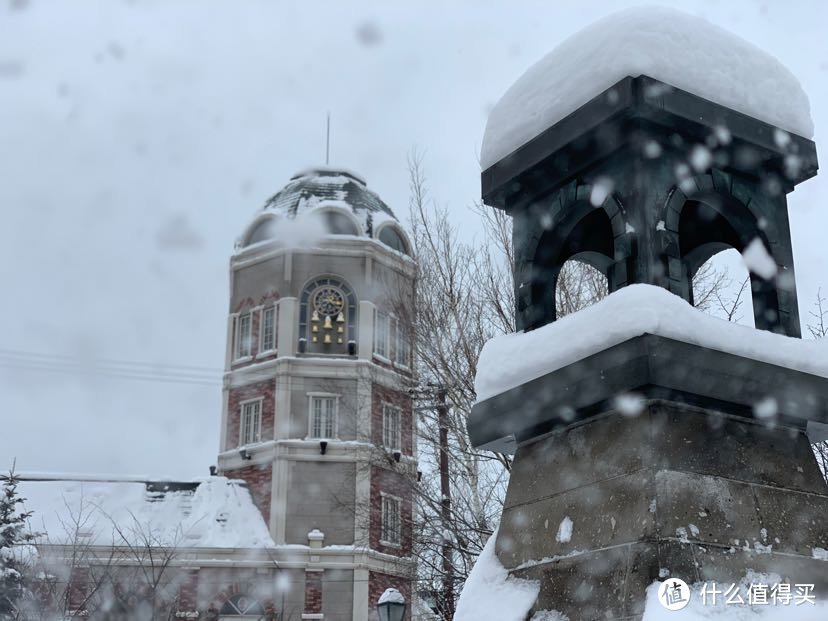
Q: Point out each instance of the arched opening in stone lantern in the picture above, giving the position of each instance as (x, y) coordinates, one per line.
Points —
(579, 285)
(575, 254)
(713, 223)
(721, 287)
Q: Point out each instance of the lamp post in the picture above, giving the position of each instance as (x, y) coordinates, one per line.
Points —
(391, 605)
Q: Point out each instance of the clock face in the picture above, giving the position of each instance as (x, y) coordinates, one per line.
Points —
(328, 302)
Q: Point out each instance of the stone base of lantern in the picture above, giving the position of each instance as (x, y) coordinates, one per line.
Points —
(672, 490)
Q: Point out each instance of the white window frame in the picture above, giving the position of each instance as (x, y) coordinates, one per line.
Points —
(383, 517)
(262, 345)
(243, 427)
(396, 443)
(386, 333)
(312, 397)
(401, 342)
(237, 349)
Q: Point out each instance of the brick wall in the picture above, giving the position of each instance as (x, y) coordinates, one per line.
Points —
(188, 591)
(264, 390)
(258, 479)
(381, 394)
(313, 591)
(388, 481)
(377, 583)
(78, 590)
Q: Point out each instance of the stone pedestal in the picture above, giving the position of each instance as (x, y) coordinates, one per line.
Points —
(675, 490)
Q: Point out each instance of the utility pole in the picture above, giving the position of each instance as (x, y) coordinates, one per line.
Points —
(445, 506)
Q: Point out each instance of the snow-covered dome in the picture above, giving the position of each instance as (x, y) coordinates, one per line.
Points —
(336, 201)
(674, 47)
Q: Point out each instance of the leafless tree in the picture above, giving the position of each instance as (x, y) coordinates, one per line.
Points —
(819, 322)
(819, 329)
(145, 585)
(68, 572)
(131, 578)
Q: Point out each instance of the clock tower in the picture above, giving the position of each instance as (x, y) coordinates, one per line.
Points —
(317, 417)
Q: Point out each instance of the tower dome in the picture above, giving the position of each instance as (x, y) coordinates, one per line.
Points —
(341, 199)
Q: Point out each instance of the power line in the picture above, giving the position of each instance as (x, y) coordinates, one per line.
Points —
(108, 367)
(18, 352)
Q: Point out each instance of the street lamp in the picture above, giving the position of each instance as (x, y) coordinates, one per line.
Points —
(391, 605)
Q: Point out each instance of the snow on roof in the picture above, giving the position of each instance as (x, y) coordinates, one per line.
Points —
(490, 593)
(295, 214)
(685, 51)
(207, 513)
(513, 359)
(310, 188)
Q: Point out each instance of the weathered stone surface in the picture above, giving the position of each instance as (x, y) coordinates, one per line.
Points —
(551, 466)
(702, 508)
(671, 492)
(608, 513)
(708, 442)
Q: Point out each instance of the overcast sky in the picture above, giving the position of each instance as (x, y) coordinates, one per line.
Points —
(138, 138)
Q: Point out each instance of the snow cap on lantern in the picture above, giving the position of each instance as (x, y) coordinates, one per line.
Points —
(682, 50)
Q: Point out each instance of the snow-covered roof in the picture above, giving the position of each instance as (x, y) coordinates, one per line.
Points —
(208, 513)
(325, 201)
(313, 187)
(513, 359)
(674, 47)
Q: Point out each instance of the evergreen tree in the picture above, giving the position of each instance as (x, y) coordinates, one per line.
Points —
(14, 533)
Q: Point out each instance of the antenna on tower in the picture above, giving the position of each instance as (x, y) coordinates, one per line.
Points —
(328, 141)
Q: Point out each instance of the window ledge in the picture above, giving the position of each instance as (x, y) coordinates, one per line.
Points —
(242, 359)
(389, 544)
(382, 358)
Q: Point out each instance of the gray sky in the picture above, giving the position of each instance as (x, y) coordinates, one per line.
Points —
(138, 138)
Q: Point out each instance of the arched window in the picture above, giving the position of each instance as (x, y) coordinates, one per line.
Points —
(327, 317)
(392, 238)
(337, 223)
(266, 229)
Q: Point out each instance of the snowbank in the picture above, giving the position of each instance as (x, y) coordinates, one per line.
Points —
(489, 592)
(685, 51)
(513, 359)
(218, 514)
(697, 610)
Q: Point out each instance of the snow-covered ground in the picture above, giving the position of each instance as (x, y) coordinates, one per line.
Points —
(490, 593)
(510, 360)
(672, 46)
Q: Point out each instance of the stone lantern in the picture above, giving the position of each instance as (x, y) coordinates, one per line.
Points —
(645, 181)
